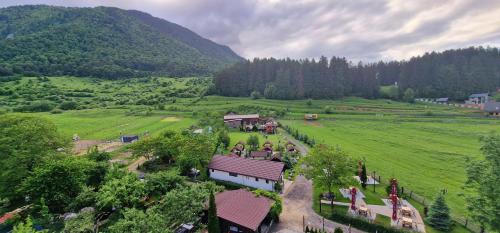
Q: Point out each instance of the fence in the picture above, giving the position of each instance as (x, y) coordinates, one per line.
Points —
(408, 193)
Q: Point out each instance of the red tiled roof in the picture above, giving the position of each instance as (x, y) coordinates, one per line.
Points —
(256, 168)
(242, 207)
(234, 117)
(258, 154)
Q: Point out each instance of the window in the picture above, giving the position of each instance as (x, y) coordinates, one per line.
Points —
(213, 170)
(233, 229)
(267, 181)
(256, 179)
(233, 174)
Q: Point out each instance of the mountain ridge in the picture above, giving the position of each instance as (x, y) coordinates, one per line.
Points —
(103, 42)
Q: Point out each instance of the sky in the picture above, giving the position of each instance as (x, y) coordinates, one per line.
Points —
(360, 30)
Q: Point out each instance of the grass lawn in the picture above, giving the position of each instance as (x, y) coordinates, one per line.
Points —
(106, 124)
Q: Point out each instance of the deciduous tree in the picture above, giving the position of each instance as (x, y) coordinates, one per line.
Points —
(482, 185)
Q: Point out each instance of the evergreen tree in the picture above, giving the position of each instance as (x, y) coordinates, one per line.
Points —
(213, 220)
(363, 177)
(439, 216)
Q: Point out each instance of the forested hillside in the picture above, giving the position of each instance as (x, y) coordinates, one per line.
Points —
(102, 42)
(452, 73)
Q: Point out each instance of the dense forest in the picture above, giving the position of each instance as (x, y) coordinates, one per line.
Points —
(452, 73)
(102, 42)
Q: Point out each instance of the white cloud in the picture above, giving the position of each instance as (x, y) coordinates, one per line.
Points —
(359, 30)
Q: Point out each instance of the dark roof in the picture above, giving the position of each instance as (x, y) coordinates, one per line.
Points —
(479, 95)
(258, 154)
(242, 207)
(492, 107)
(256, 168)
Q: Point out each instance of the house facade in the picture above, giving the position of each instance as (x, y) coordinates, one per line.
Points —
(479, 99)
(260, 174)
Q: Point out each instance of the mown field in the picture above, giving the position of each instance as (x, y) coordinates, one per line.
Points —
(423, 146)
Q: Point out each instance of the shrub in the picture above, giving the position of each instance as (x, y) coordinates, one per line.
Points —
(328, 109)
(255, 95)
(56, 111)
(309, 102)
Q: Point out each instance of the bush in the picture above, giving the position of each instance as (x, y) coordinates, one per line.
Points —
(38, 106)
(255, 95)
(338, 230)
(328, 109)
(56, 111)
(309, 102)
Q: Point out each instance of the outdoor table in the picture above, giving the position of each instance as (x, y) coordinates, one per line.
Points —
(363, 210)
(407, 222)
(406, 211)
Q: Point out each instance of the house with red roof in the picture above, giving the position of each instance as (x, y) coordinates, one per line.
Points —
(261, 174)
(242, 211)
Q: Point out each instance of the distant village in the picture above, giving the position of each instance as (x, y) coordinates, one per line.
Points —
(483, 101)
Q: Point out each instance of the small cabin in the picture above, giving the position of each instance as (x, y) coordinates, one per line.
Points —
(442, 100)
(244, 212)
(310, 117)
(129, 138)
(492, 109)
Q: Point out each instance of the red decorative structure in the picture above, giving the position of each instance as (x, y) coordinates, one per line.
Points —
(353, 198)
(394, 198)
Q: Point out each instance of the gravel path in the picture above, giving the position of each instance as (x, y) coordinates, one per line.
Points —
(297, 205)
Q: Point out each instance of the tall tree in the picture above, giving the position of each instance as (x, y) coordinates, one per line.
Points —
(328, 166)
(439, 215)
(25, 142)
(58, 181)
(363, 177)
(213, 220)
(482, 185)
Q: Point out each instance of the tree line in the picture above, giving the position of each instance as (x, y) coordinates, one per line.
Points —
(452, 73)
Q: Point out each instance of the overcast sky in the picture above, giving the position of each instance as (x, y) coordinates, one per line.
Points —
(366, 30)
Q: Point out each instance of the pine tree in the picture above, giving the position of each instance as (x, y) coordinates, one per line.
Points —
(363, 177)
(213, 220)
(439, 216)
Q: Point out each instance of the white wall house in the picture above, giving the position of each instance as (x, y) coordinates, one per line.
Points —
(249, 181)
(261, 174)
